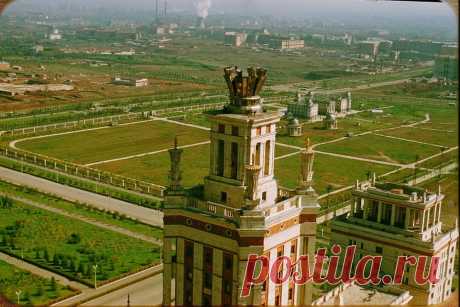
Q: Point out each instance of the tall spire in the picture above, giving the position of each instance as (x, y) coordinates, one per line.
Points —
(175, 174)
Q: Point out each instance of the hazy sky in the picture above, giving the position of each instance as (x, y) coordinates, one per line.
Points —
(283, 7)
(354, 10)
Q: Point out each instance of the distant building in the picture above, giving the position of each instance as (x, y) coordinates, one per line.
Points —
(38, 49)
(326, 107)
(55, 35)
(343, 105)
(390, 220)
(287, 44)
(294, 127)
(130, 82)
(330, 122)
(235, 38)
(304, 109)
(4, 65)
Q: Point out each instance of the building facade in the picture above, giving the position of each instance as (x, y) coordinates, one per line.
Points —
(302, 108)
(392, 220)
(210, 230)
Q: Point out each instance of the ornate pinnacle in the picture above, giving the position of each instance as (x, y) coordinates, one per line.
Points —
(251, 179)
(307, 157)
(244, 89)
(175, 174)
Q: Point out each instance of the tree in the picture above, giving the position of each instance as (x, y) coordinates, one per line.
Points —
(6, 202)
(46, 255)
(53, 284)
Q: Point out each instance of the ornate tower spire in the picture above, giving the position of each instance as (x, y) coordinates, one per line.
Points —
(175, 174)
(307, 157)
(244, 89)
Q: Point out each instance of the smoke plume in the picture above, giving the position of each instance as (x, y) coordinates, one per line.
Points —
(202, 7)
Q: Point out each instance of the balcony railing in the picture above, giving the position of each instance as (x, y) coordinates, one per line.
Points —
(212, 208)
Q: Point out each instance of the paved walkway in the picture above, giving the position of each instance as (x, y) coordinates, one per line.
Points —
(145, 215)
(87, 220)
(41, 272)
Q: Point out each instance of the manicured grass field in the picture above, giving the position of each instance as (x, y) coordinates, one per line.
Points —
(380, 148)
(115, 142)
(354, 124)
(69, 246)
(443, 138)
(155, 168)
(35, 290)
(332, 171)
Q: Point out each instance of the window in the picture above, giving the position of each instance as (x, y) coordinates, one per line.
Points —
(406, 280)
(223, 197)
(269, 128)
(378, 249)
(293, 247)
(234, 161)
(264, 196)
(227, 287)
(208, 280)
(290, 294)
(362, 245)
(221, 128)
(228, 262)
(235, 131)
(220, 158)
(259, 131)
(189, 249)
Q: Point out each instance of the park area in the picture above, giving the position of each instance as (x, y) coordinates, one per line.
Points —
(365, 142)
(34, 290)
(71, 247)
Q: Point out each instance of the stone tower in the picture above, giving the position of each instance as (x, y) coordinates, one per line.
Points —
(210, 230)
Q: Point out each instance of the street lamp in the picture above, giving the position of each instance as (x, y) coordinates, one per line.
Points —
(95, 276)
(18, 294)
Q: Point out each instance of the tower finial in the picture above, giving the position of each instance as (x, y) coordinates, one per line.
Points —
(307, 143)
(175, 173)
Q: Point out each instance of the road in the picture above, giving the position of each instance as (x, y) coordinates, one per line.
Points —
(114, 287)
(142, 214)
(148, 292)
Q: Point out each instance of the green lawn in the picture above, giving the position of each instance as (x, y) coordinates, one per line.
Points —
(35, 290)
(380, 148)
(328, 170)
(443, 138)
(81, 209)
(71, 247)
(109, 143)
(155, 168)
(354, 124)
